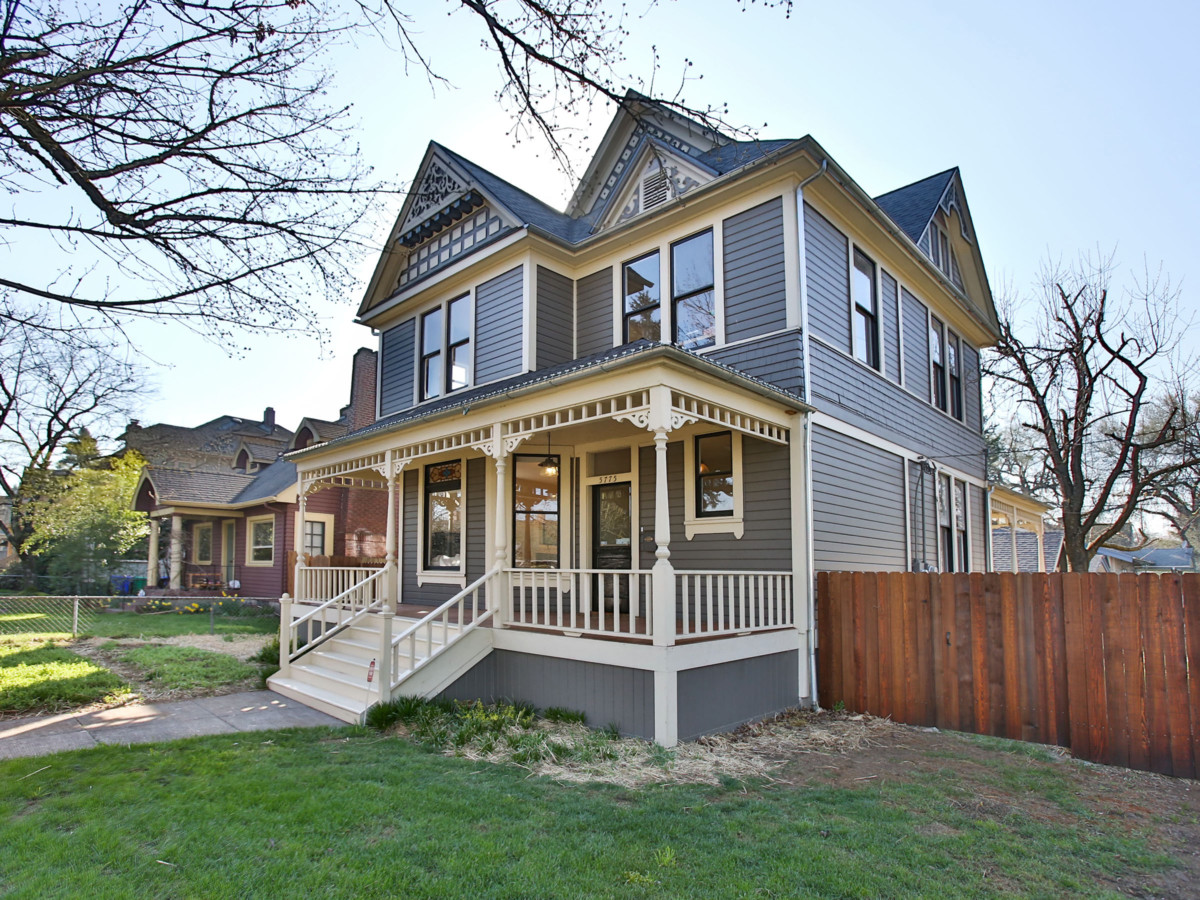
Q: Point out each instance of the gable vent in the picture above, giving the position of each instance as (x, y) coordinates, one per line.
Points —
(656, 190)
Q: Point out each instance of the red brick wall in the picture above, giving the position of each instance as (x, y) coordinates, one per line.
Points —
(363, 522)
(361, 410)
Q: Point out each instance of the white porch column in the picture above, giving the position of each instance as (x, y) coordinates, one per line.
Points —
(152, 556)
(176, 552)
(500, 553)
(663, 573)
(297, 593)
(1041, 544)
(1012, 536)
(390, 596)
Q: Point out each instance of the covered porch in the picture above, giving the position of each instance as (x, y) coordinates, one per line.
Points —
(633, 518)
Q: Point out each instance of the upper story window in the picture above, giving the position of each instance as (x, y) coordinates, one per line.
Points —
(445, 348)
(954, 370)
(643, 307)
(865, 324)
(937, 361)
(693, 298)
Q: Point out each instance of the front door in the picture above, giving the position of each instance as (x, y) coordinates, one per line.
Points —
(227, 552)
(612, 541)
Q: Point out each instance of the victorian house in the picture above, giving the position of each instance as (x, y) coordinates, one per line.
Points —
(616, 442)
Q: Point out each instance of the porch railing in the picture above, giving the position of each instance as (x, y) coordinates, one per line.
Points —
(419, 643)
(326, 582)
(326, 619)
(582, 601)
(713, 603)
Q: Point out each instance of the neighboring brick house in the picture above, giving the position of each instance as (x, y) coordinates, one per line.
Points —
(228, 499)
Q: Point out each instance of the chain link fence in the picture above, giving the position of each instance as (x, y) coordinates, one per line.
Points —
(78, 615)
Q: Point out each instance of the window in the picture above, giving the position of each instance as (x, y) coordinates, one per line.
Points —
(314, 538)
(945, 533)
(445, 348)
(443, 516)
(937, 361)
(260, 541)
(535, 512)
(642, 310)
(954, 368)
(693, 300)
(714, 475)
(202, 543)
(865, 325)
(960, 526)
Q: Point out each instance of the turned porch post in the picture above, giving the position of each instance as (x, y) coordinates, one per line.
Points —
(391, 585)
(175, 554)
(500, 553)
(297, 593)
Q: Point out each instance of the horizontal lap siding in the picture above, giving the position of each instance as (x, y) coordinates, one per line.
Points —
(603, 693)
(972, 399)
(858, 505)
(594, 313)
(755, 283)
(477, 556)
(397, 368)
(851, 392)
(720, 697)
(978, 505)
(778, 360)
(766, 542)
(826, 262)
(916, 346)
(891, 327)
(498, 334)
(555, 318)
(410, 591)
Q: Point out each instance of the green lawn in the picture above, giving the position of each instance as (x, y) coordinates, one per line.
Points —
(128, 624)
(38, 675)
(348, 813)
(188, 668)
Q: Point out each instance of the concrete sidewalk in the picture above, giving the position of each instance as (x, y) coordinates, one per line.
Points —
(144, 723)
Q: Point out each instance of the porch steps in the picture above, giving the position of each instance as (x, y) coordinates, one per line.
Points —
(333, 677)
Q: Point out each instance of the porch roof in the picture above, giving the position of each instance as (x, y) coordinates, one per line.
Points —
(553, 376)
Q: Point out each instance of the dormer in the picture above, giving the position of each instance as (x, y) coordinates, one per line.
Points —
(659, 175)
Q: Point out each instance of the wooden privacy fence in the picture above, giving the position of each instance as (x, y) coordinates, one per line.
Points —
(1104, 664)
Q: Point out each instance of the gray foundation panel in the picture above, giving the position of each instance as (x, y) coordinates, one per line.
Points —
(722, 697)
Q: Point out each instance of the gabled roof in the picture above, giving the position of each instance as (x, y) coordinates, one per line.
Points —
(269, 482)
(1026, 550)
(190, 486)
(912, 206)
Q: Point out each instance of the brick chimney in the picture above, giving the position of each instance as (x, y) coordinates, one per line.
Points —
(360, 412)
(269, 418)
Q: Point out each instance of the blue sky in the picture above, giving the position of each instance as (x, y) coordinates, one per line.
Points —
(1074, 124)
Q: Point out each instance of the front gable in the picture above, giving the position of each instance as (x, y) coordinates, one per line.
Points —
(657, 174)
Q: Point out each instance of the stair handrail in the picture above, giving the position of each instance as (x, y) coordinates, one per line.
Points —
(327, 633)
(428, 622)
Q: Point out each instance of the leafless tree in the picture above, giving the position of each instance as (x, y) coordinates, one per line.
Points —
(1178, 494)
(1082, 376)
(178, 159)
(53, 385)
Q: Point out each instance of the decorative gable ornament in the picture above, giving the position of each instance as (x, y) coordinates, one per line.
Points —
(438, 185)
(661, 176)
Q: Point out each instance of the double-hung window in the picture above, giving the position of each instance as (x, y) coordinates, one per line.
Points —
(693, 298)
(443, 516)
(445, 348)
(954, 369)
(937, 361)
(643, 306)
(260, 541)
(714, 474)
(865, 325)
(535, 512)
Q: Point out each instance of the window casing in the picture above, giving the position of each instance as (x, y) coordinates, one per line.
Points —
(642, 309)
(202, 545)
(937, 362)
(713, 484)
(865, 314)
(535, 512)
(260, 541)
(446, 348)
(443, 519)
(954, 370)
(693, 293)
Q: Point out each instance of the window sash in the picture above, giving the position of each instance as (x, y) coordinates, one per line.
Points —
(641, 308)
(714, 475)
(202, 547)
(431, 354)
(937, 360)
(954, 358)
(693, 292)
(443, 508)
(314, 538)
(262, 541)
(536, 511)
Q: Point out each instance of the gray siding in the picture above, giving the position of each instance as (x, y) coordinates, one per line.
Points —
(916, 346)
(855, 394)
(923, 509)
(755, 283)
(978, 503)
(722, 697)
(594, 312)
(972, 397)
(397, 368)
(498, 315)
(889, 326)
(433, 594)
(766, 542)
(604, 693)
(858, 505)
(826, 269)
(778, 359)
(555, 317)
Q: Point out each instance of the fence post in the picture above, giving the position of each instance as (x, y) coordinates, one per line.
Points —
(75, 618)
(285, 635)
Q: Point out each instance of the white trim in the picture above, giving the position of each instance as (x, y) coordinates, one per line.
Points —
(327, 518)
(875, 279)
(694, 524)
(441, 576)
(250, 522)
(791, 262)
(803, 269)
(718, 261)
(196, 528)
(803, 559)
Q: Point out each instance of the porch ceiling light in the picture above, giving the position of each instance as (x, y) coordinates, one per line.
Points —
(549, 465)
